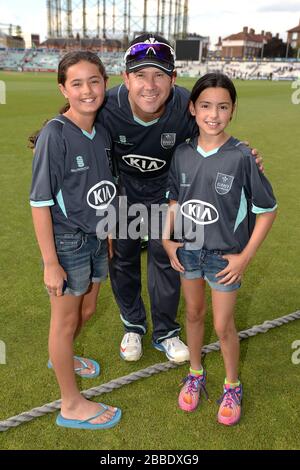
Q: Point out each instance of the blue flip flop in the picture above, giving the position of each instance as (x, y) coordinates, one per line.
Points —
(85, 424)
(84, 366)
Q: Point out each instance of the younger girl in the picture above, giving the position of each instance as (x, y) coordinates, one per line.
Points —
(218, 188)
(72, 187)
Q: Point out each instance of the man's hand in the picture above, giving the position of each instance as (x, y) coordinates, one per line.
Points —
(258, 157)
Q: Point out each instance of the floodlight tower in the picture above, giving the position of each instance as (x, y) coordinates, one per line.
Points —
(125, 20)
(68, 8)
(170, 18)
(129, 18)
(145, 15)
(49, 18)
(158, 16)
(104, 19)
(58, 18)
(84, 30)
(114, 17)
(163, 13)
(179, 22)
(176, 19)
(185, 19)
(98, 18)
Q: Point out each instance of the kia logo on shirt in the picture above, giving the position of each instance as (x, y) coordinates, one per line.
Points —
(144, 163)
(200, 212)
(101, 195)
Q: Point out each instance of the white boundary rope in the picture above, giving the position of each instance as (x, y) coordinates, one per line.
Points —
(155, 369)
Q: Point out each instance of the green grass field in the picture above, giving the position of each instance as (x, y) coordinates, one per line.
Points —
(151, 419)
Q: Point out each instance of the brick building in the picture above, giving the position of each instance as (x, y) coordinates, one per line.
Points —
(294, 37)
(92, 44)
(11, 42)
(246, 44)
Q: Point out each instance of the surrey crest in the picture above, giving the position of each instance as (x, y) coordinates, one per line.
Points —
(223, 183)
(168, 140)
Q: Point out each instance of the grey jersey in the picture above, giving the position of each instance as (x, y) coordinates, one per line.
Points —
(143, 151)
(219, 195)
(72, 175)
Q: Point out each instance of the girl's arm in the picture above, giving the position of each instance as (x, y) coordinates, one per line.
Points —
(54, 274)
(169, 245)
(238, 263)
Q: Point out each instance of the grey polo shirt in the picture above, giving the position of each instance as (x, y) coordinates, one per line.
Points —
(219, 194)
(143, 150)
(72, 175)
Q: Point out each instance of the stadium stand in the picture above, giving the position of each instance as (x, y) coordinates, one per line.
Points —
(244, 70)
(35, 60)
(45, 60)
(11, 59)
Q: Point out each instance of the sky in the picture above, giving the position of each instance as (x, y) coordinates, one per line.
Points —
(212, 18)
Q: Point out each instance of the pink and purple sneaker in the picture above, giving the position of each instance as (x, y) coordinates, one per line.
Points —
(190, 393)
(230, 405)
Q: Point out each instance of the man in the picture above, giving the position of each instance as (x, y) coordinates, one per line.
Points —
(147, 118)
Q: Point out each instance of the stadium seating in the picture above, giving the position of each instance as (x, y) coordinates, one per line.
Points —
(47, 60)
(245, 70)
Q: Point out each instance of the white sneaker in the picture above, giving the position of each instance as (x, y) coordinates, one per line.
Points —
(174, 348)
(131, 347)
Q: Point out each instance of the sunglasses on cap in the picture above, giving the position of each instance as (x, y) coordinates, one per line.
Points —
(143, 50)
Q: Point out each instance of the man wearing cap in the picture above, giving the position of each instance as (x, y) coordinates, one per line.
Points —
(147, 118)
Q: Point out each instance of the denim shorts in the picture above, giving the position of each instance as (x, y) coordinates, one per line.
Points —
(205, 264)
(84, 258)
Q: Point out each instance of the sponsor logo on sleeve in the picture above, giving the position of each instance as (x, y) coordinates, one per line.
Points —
(168, 140)
(223, 183)
(200, 212)
(101, 195)
(144, 164)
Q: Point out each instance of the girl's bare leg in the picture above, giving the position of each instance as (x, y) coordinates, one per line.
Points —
(88, 306)
(223, 311)
(194, 294)
(65, 313)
